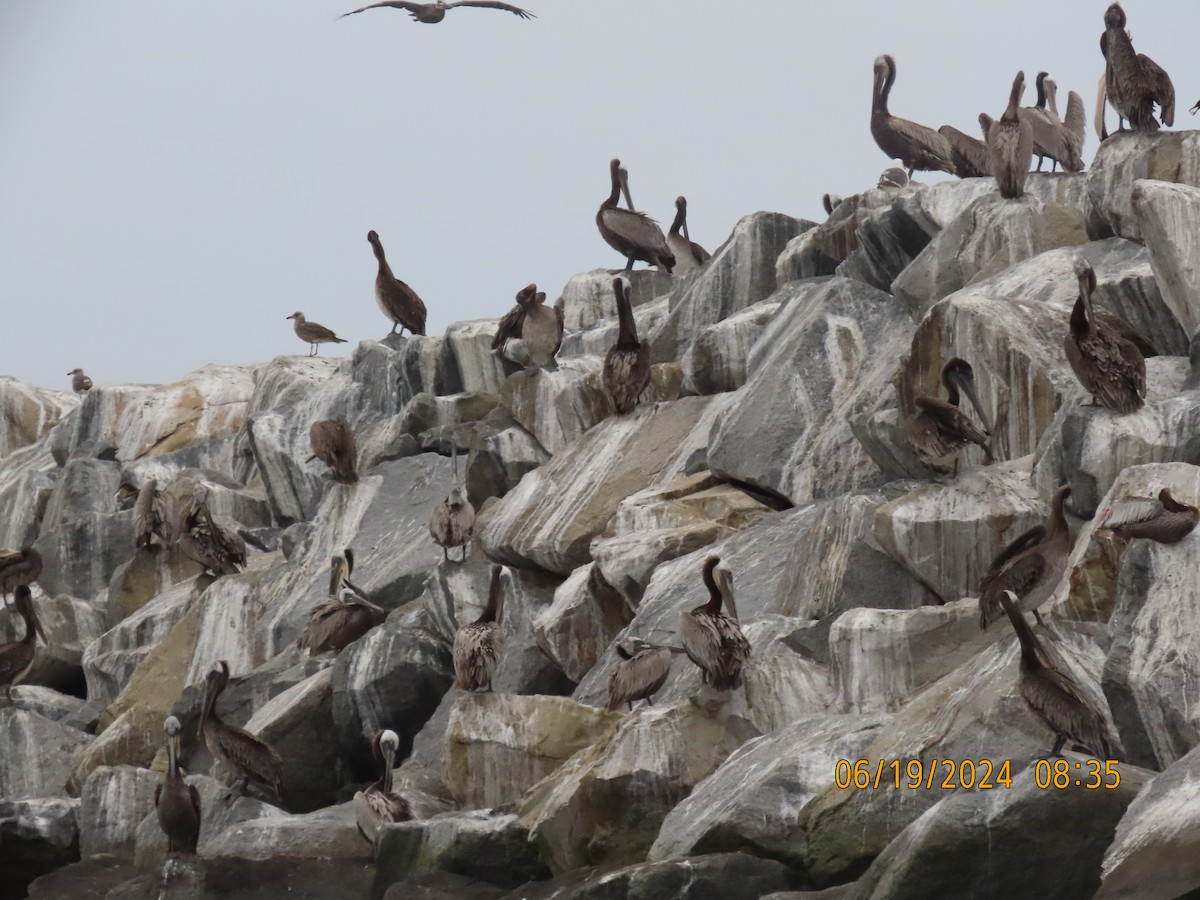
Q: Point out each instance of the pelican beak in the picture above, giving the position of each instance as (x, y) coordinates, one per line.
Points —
(725, 582)
(623, 174)
(966, 384)
(37, 626)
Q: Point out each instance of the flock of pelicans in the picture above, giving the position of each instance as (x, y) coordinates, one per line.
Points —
(1107, 362)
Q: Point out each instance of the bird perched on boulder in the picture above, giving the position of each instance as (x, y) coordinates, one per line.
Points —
(313, 334)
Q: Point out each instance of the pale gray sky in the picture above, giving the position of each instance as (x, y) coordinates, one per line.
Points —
(176, 178)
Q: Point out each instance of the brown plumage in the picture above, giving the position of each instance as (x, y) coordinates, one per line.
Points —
(714, 641)
(941, 429)
(1030, 566)
(80, 383)
(1050, 138)
(1054, 697)
(1073, 126)
(432, 13)
(1110, 367)
(477, 646)
(341, 618)
(627, 364)
(1134, 82)
(538, 326)
(632, 234)
(250, 758)
(396, 299)
(152, 516)
(16, 657)
(377, 804)
(638, 676)
(688, 254)
(1164, 519)
(18, 567)
(452, 522)
(312, 333)
(917, 146)
(176, 801)
(215, 544)
(970, 155)
(1010, 145)
(333, 443)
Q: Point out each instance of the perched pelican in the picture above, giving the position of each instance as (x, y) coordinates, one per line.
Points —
(1134, 82)
(18, 567)
(432, 13)
(1074, 126)
(1050, 138)
(970, 154)
(396, 299)
(378, 805)
(152, 516)
(632, 234)
(477, 646)
(1010, 145)
(1053, 697)
(1029, 566)
(894, 176)
(16, 657)
(714, 641)
(313, 334)
(452, 522)
(627, 364)
(688, 254)
(1164, 519)
(941, 429)
(250, 758)
(177, 802)
(916, 146)
(344, 616)
(333, 443)
(80, 383)
(538, 326)
(1110, 367)
(639, 676)
(216, 545)
(830, 202)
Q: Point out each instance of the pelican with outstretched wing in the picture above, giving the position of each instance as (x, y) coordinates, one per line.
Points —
(432, 13)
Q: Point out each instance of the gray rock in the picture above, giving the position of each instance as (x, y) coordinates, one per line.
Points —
(36, 837)
(27, 478)
(329, 834)
(50, 704)
(37, 754)
(296, 877)
(85, 488)
(29, 413)
(499, 462)
(113, 804)
(469, 345)
(587, 613)
(588, 299)
(600, 336)
(1168, 217)
(80, 556)
(1124, 159)
(70, 625)
(719, 357)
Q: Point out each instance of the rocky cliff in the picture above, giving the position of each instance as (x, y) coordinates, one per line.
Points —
(770, 435)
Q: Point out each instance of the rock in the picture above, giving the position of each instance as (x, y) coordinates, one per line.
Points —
(488, 765)
(36, 837)
(556, 406)
(499, 462)
(37, 754)
(1125, 159)
(600, 336)
(523, 667)
(114, 801)
(132, 739)
(28, 413)
(480, 844)
(236, 878)
(84, 488)
(829, 350)
(49, 704)
(79, 557)
(719, 357)
(588, 299)
(587, 613)
(753, 800)
(70, 625)
(470, 346)
(137, 582)
(393, 372)
(330, 834)
(1168, 216)
(27, 478)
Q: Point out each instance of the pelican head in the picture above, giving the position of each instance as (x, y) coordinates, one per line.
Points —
(527, 295)
(1086, 276)
(830, 202)
(172, 727)
(455, 499)
(1114, 16)
(389, 743)
(885, 74)
(957, 374)
(214, 684)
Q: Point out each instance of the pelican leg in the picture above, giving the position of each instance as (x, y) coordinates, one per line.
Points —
(629, 703)
(1037, 615)
(1041, 159)
(1054, 166)
(910, 171)
(629, 265)
(395, 325)
(1058, 745)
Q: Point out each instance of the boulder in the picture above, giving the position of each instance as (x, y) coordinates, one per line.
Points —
(597, 338)
(27, 413)
(499, 462)
(152, 571)
(588, 299)
(719, 357)
(587, 613)
(1168, 217)
(328, 834)
(80, 556)
(1121, 162)
(36, 837)
(27, 478)
(37, 754)
(469, 345)
(297, 877)
(70, 626)
(132, 739)
(114, 801)
(50, 704)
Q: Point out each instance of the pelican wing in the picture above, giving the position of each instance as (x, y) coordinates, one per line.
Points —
(1059, 702)
(1160, 84)
(249, 754)
(933, 151)
(1020, 576)
(1131, 511)
(510, 327)
(1118, 368)
(970, 155)
(394, 4)
(638, 678)
(1076, 121)
(637, 228)
(1020, 543)
(492, 4)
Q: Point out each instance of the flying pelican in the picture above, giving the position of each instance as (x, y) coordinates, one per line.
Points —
(1010, 145)
(152, 516)
(452, 522)
(216, 545)
(941, 429)
(627, 364)
(538, 326)
(177, 802)
(344, 616)
(1133, 81)
(1164, 519)
(639, 676)
(396, 299)
(432, 13)
(1052, 696)
(313, 334)
(970, 154)
(1030, 566)
(688, 254)
(378, 805)
(632, 234)
(18, 567)
(16, 657)
(916, 146)
(714, 641)
(1110, 367)
(247, 756)
(80, 383)
(477, 646)
(333, 443)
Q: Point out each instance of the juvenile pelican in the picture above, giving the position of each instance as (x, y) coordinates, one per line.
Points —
(1134, 82)
(215, 544)
(916, 146)
(312, 333)
(80, 383)
(941, 429)
(396, 299)
(477, 646)
(432, 13)
(377, 804)
(16, 657)
(538, 326)
(714, 641)
(639, 676)
(688, 254)
(632, 234)
(452, 522)
(1110, 367)
(1010, 145)
(627, 364)
(333, 443)
(250, 758)
(1163, 519)
(177, 802)
(344, 616)
(152, 517)
(970, 154)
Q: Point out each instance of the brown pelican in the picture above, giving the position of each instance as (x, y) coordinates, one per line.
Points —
(452, 522)
(639, 676)
(632, 234)
(1053, 697)
(714, 641)
(1050, 137)
(18, 567)
(1074, 126)
(341, 618)
(396, 299)
(432, 13)
(1164, 519)
(333, 443)
(477, 646)
(688, 254)
(80, 383)
(538, 326)
(177, 802)
(1030, 566)
(970, 154)
(1010, 145)
(378, 805)
(216, 545)
(312, 333)
(830, 202)
(941, 429)
(250, 758)
(1110, 367)
(627, 364)
(16, 657)
(1133, 81)
(916, 146)
(151, 516)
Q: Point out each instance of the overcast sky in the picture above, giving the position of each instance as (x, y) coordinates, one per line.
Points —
(177, 178)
